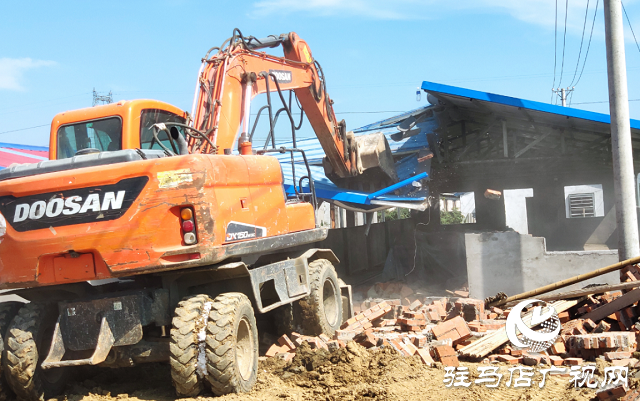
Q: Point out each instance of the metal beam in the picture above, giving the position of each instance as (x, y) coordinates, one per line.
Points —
(532, 144)
(505, 139)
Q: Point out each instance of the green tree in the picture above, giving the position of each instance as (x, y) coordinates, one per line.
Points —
(452, 217)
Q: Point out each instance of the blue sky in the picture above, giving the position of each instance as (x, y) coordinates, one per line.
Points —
(374, 53)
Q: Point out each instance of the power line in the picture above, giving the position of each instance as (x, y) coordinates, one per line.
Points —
(593, 23)
(634, 34)
(584, 27)
(564, 40)
(24, 129)
(606, 101)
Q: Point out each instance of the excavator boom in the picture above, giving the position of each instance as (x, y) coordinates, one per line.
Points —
(238, 72)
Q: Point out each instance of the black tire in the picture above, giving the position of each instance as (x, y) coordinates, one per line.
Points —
(8, 310)
(189, 318)
(321, 311)
(232, 345)
(26, 345)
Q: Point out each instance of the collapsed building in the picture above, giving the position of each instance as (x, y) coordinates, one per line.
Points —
(519, 194)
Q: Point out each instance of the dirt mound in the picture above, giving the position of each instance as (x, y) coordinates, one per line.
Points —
(346, 374)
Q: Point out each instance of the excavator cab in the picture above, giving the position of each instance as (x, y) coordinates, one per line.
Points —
(112, 127)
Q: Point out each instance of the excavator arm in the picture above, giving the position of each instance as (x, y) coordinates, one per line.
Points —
(232, 77)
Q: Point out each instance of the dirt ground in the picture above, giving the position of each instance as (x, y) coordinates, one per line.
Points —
(347, 374)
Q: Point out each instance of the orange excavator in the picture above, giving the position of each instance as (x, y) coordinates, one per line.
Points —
(155, 235)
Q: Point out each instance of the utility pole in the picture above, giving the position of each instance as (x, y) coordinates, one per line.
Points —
(623, 174)
(102, 99)
(563, 93)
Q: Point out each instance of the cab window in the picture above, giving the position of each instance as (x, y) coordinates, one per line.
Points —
(150, 117)
(104, 134)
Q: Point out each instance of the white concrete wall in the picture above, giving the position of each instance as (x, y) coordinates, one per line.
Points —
(514, 263)
(515, 208)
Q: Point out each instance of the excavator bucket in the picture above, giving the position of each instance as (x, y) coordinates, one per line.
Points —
(374, 156)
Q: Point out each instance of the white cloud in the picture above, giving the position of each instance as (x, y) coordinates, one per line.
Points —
(537, 12)
(13, 69)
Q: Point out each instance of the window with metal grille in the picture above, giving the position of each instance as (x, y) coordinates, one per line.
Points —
(582, 205)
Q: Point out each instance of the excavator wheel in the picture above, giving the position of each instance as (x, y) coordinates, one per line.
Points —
(27, 345)
(321, 311)
(8, 310)
(232, 345)
(187, 345)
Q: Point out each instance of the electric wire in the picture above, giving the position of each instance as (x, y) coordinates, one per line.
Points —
(24, 129)
(629, 21)
(584, 27)
(586, 54)
(564, 41)
(593, 23)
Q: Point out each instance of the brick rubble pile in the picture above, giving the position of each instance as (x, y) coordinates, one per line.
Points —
(437, 328)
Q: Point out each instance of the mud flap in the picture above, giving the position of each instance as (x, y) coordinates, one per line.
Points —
(347, 301)
(57, 350)
(280, 283)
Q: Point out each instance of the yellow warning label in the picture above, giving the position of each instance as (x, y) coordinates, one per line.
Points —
(173, 178)
(305, 50)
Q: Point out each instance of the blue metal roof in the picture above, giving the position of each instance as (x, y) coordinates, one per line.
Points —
(447, 90)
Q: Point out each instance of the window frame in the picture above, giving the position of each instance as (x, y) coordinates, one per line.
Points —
(61, 127)
(141, 127)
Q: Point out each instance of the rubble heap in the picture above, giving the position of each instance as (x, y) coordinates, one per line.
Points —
(446, 329)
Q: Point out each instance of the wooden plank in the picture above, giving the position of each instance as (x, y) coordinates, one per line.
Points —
(482, 347)
(601, 289)
(627, 299)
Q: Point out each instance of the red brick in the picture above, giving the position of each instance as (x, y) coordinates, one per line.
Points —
(412, 322)
(285, 341)
(558, 348)
(631, 362)
(497, 310)
(405, 291)
(612, 393)
(276, 349)
(493, 358)
(573, 361)
(344, 335)
(602, 327)
(618, 355)
(455, 329)
(589, 325)
(531, 359)
(512, 360)
(477, 327)
(286, 356)
(447, 355)
(470, 309)
(415, 305)
(517, 352)
(564, 317)
(425, 357)
(420, 341)
(410, 347)
(556, 360)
